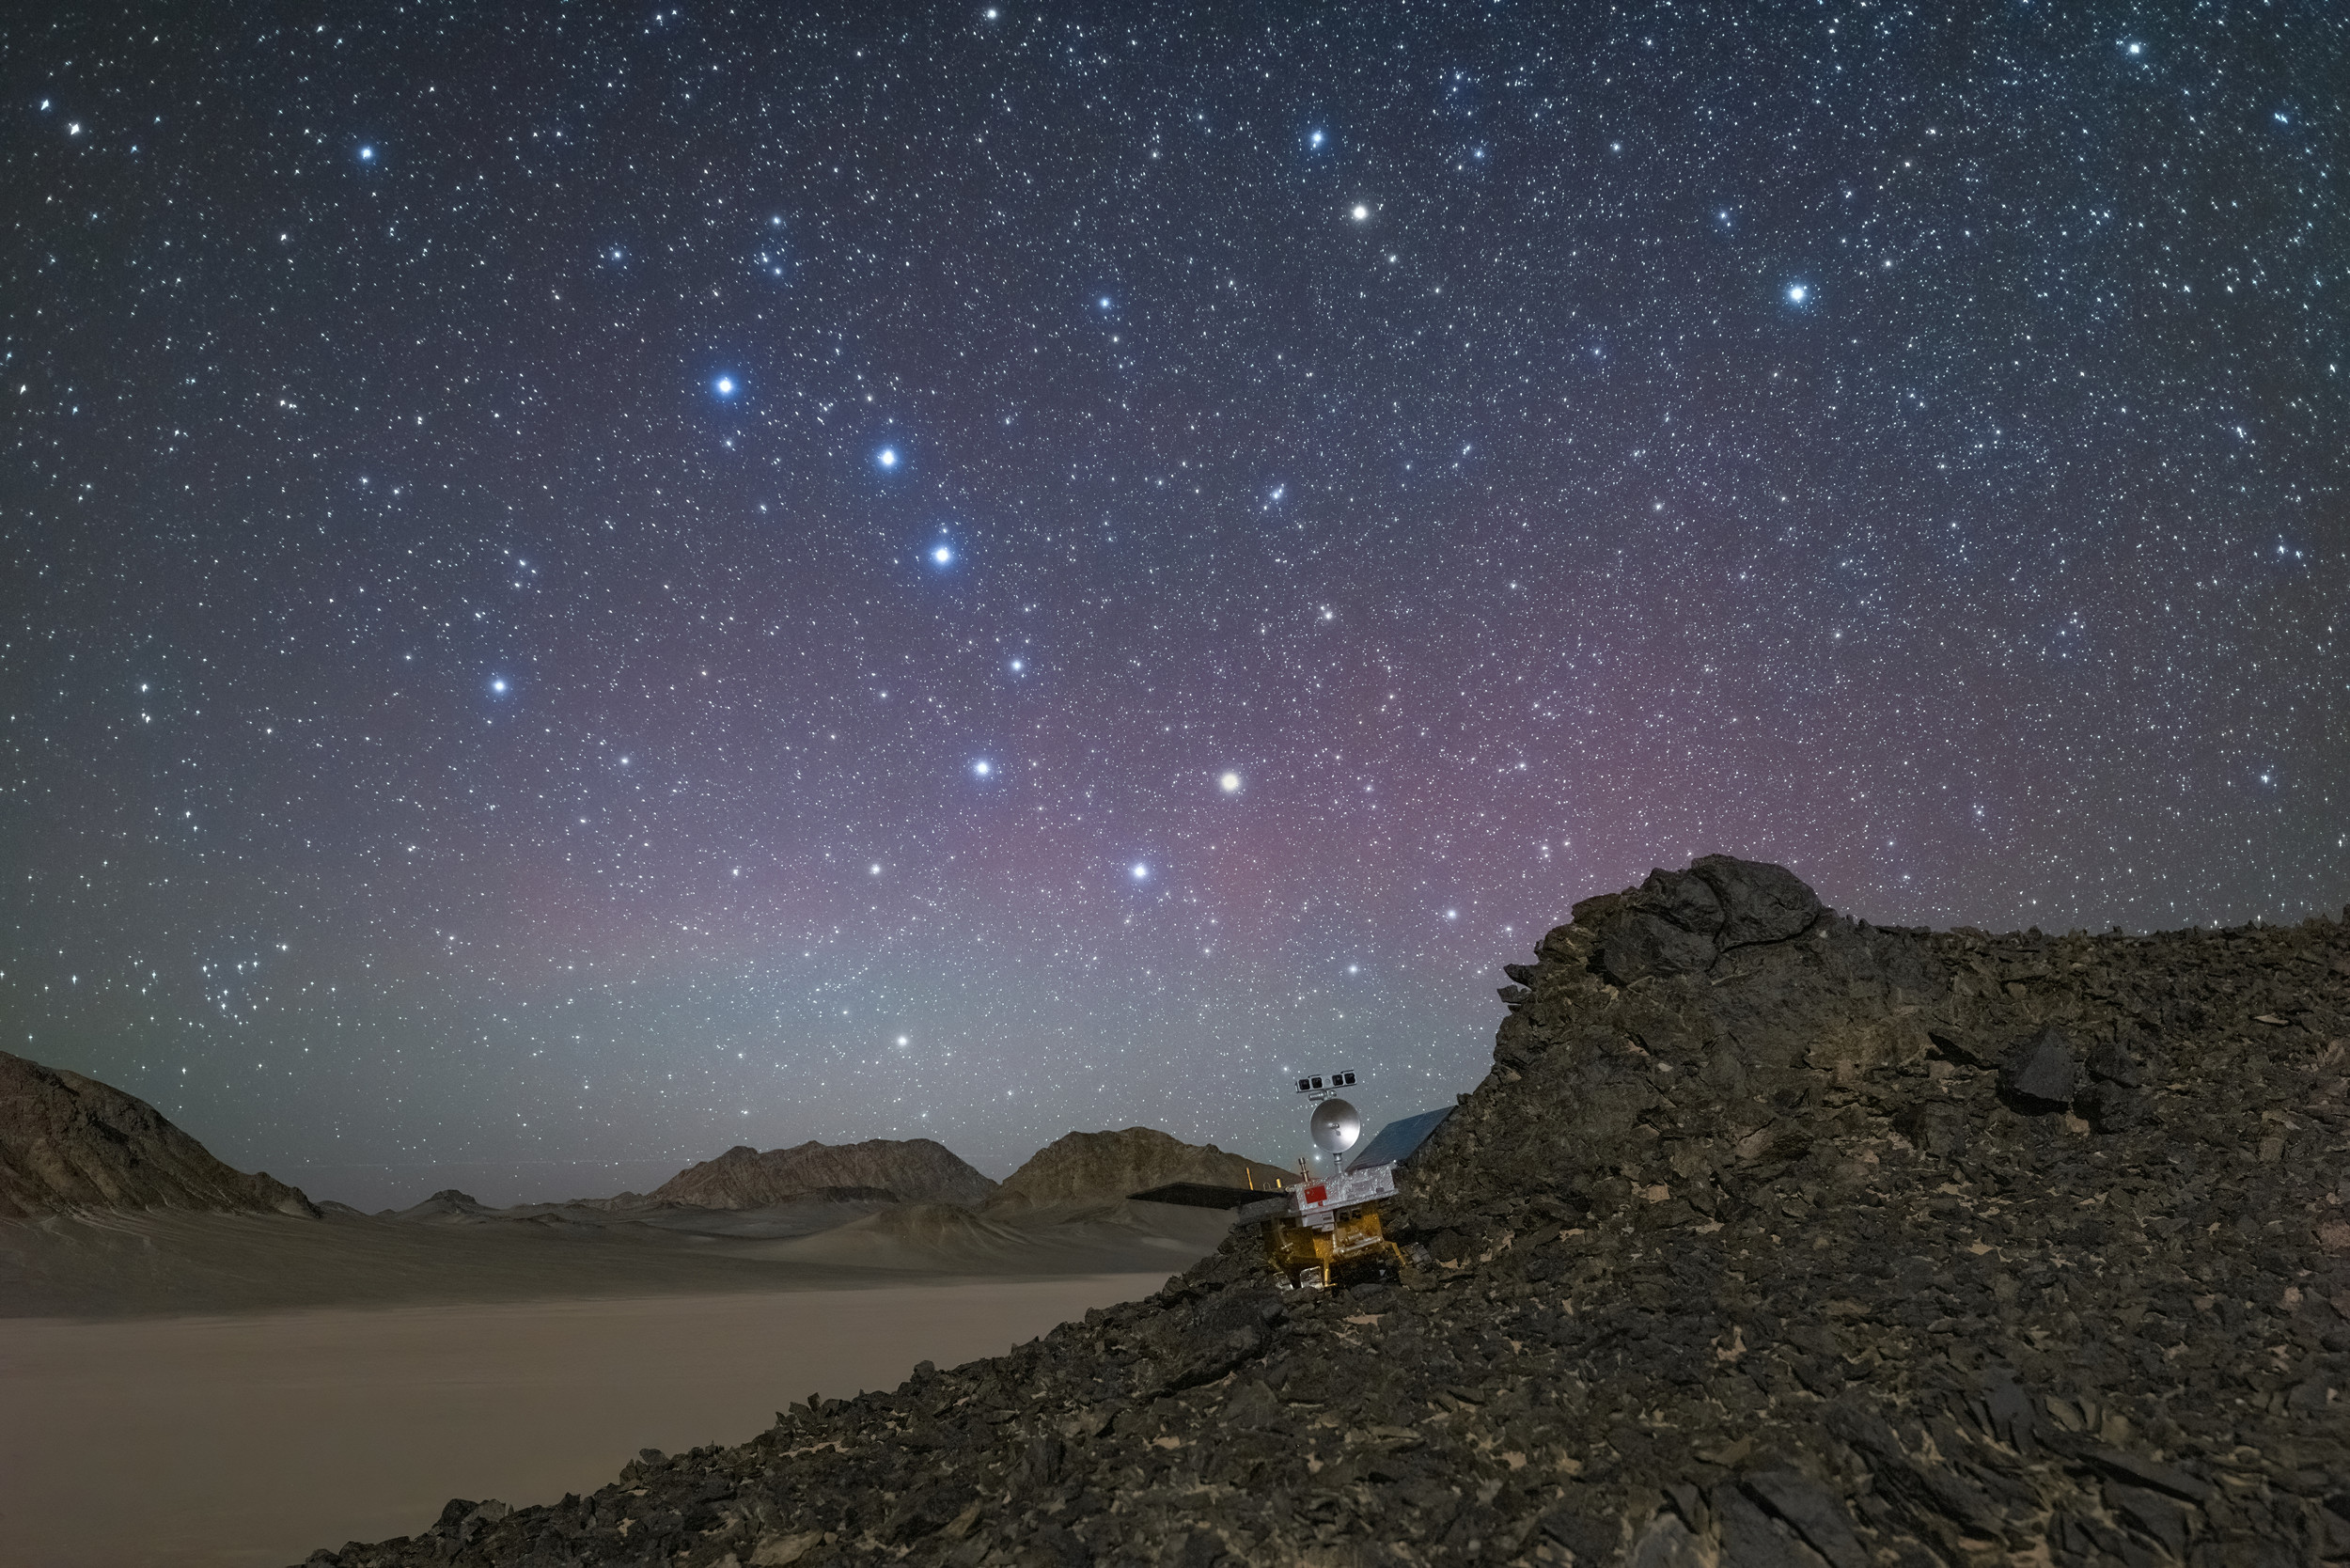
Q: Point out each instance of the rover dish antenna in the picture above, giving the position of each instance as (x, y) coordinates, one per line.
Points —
(1336, 1127)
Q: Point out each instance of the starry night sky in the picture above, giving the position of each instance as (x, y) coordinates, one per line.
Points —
(580, 585)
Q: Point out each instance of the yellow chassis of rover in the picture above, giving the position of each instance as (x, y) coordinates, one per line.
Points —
(1296, 1250)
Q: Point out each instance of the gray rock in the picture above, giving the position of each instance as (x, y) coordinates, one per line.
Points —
(1640, 946)
(1813, 1513)
(1761, 902)
(2042, 1073)
(2111, 1107)
(1752, 1539)
(2114, 1062)
(1685, 900)
(2150, 1514)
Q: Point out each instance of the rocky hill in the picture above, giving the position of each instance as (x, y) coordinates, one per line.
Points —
(1772, 1238)
(1085, 1166)
(915, 1170)
(71, 1143)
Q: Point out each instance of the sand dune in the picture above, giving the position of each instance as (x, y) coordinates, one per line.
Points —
(268, 1381)
(246, 1441)
(152, 1263)
(146, 1263)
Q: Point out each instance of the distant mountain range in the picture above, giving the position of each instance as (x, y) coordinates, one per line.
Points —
(914, 1170)
(1081, 1165)
(70, 1143)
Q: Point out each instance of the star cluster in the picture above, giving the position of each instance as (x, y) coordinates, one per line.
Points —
(580, 587)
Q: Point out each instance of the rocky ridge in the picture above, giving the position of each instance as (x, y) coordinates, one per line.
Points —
(1081, 1167)
(915, 1170)
(1772, 1238)
(70, 1143)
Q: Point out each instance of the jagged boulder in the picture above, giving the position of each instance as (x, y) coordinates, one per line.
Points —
(68, 1143)
(1680, 922)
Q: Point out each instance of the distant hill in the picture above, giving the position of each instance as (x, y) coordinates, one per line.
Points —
(1114, 1165)
(914, 1170)
(68, 1142)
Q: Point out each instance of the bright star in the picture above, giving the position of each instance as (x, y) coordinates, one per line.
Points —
(725, 385)
(367, 155)
(886, 457)
(1361, 212)
(874, 870)
(983, 767)
(1798, 293)
(1230, 783)
(1017, 666)
(497, 686)
(1314, 140)
(1104, 302)
(1140, 871)
(942, 555)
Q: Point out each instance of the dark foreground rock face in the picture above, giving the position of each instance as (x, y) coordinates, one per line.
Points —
(1840, 1246)
(71, 1143)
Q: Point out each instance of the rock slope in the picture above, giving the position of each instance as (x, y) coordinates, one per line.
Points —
(70, 1143)
(917, 1171)
(1081, 1167)
(1772, 1238)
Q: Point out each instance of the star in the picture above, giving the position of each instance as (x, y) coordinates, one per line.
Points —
(983, 767)
(1798, 293)
(1139, 871)
(941, 555)
(1230, 783)
(1362, 212)
(497, 686)
(724, 385)
(886, 457)
(367, 155)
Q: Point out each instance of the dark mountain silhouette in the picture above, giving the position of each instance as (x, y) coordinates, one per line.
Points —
(1090, 1165)
(915, 1170)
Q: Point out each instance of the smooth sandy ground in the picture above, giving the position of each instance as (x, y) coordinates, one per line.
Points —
(253, 1440)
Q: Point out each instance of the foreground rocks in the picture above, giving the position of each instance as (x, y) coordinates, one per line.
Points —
(70, 1143)
(1772, 1238)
